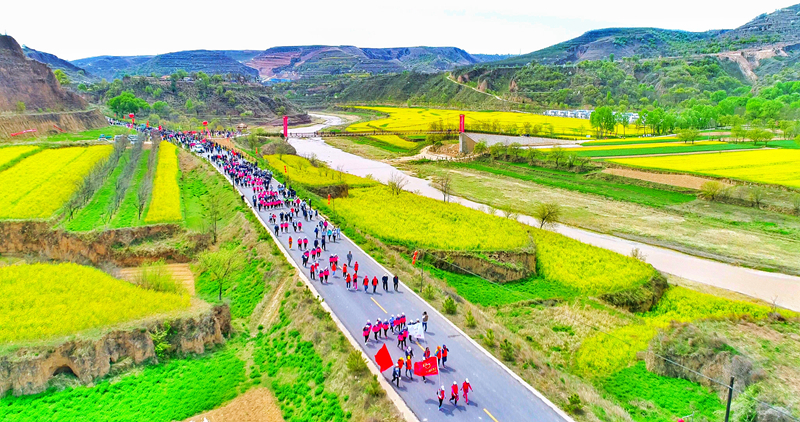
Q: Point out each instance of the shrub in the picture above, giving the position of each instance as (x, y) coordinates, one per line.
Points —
(470, 319)
(711, 190)
(428, 292)
(373, 388)
(488, 339)
(449, 306)
(574, 405)
(507, 351)
(156, 276)
(355, 363)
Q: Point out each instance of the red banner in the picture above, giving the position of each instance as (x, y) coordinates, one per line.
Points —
(414, 259)
(329, 199)
(383, 358)
(427, 367)
(24, 131)
(285, 171)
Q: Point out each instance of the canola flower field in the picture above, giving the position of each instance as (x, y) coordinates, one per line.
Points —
(165, 203)
(39, 185)
(401, 119)
(774, 166)
(300, 170)
(70, 298)
(390, 139)
(9, 154)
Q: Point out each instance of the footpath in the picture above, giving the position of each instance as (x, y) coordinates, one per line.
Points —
(499, 395)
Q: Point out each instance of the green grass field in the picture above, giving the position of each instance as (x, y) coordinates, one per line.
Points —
(582, 183)
(128, 215)
(677, 149)
(95, 214)
(90, 135)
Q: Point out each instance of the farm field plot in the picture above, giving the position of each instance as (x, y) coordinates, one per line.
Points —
(91, 134)
(9, 154)
(165, 203)
(301, 170)
(778, 166)
(42, 300)
(415, 220)
(39, 185)
(394, 140)
(95, 213)
(420, 119)
(128, 214)
(675, 148)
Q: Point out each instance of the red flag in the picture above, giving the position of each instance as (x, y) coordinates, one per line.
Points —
(383, 358)
(285, 171)
(329, 199)
(427, 367)
(414, 259)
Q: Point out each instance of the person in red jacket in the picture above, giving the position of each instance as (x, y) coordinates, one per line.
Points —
(366, 284)
(376, 329)
(454, 394)
(466, 388)
(374, 284)
(365, 331)
(348, 280)
(355, 267)
(445, 350)
(385, 328)
(440, 396)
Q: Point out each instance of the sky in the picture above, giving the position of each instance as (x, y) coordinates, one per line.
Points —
(86, 28)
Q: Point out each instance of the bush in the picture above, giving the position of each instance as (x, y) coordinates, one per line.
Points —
(711, 190)
(575, 405)
(507, 351)
(373, 388)
(428, 292)
(156, 276)
(355, 363)
(488, 339)
(449, 306)
(470, 319)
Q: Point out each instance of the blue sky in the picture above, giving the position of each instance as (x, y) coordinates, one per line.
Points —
(92, 27)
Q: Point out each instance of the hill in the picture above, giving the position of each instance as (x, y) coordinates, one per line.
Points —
(75, 73)
(30, 82)
(304, 61)
(210, 62)
(110, 67)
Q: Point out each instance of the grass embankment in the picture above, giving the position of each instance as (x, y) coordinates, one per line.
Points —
(41, 184)
(41, 301)
(301, 170)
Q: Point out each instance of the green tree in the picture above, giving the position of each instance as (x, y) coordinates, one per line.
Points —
(161, 107)
(603, 120)
(220, 265)
(189, 105)
(126, 103)
(20, 107)
(61, 77)
(688, 135)
(548, 214)
(759, 135)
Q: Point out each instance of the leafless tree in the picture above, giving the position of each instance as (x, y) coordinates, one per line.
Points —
(548, 214)
(445, 184)
(212, 210)
(397, 183)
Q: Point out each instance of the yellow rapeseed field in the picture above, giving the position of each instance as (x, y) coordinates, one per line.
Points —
(636, 146)
(300, 170)
(39, 185)
(405, 119)
(8, 154)
(43, 300)
(165, 203)
(393, 140)
(776, 166)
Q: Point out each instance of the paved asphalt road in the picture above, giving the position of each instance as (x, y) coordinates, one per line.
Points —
(497, 396)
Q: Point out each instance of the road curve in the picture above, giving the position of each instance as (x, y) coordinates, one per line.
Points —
(783, 289)
(499, 395)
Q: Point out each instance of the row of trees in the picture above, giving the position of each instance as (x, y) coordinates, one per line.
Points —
(559, 157)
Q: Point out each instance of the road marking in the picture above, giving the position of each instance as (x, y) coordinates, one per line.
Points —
(420, 346)
(490, 415)
(379, 305)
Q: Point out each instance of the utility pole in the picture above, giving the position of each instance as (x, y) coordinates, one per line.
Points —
(421, 271)
(730, 397)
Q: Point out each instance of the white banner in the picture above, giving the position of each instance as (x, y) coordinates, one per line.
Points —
(415, 331)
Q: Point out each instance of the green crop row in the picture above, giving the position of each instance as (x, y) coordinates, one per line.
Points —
(95, 213)
(128, 213)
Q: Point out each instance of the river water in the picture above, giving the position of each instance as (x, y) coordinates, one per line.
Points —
(782, 289)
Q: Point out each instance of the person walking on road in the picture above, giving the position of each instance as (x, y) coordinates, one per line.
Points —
(466, 388)
(439, 355)
(322, 243)
(396, 375)
(374, 284)
(365, 331)
(445, 350)
(396, 281)
(376, 329)
(348, 280)
(409, 369)
(454, 394)
(439, 395)
(385, 282)
(385, 329)
(349, 257)
(425, 322)
(366, 284)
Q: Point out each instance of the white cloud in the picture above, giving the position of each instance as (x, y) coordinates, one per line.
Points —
(93, 27)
